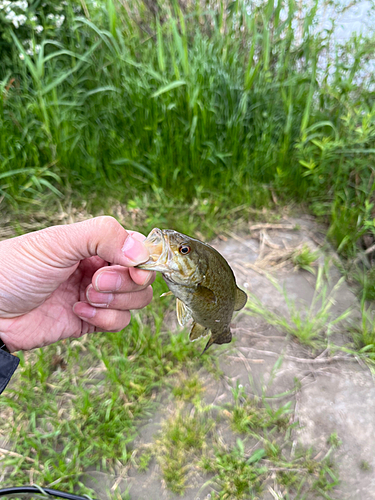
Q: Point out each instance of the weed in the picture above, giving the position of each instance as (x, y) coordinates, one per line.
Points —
(188, 387)
(244, 470)
(304, 258)
(366, 280)
(188, 119)
(363, 331)
(144, 460)
(86, 414)
(365, 466)
(244, 475)
(310, 324)
(238, 476)
(182, 437)
(334, 440)
(248, 416)
(213, 109)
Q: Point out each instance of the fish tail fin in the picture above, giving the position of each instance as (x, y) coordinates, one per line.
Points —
(224, 338)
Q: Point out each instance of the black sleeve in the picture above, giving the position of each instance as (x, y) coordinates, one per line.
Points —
(8, 365)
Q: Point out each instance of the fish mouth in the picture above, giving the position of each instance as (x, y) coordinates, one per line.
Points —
(158, 245)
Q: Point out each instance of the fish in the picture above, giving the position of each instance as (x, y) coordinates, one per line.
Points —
(201, 280)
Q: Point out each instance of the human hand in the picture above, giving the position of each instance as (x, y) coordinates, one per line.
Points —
(57, 283)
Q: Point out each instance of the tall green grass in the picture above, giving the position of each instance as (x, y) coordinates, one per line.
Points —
(230, 101)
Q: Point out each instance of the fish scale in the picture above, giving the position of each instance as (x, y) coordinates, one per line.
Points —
(201, 280)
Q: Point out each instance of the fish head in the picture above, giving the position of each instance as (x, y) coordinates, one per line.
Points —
(175, 255)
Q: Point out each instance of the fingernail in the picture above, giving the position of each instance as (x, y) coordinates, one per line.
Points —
(135, 251)
(84, 311)
(149, 277)
(98, 299)
(108, 282)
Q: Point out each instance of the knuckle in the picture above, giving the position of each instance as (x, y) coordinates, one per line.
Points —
(107, 222)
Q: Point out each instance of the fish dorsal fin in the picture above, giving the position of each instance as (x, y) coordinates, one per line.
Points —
(183, 313)
(241, 299)
(197, 332)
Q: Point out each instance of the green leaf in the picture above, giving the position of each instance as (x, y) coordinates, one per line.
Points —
(167, 88)
(256, 456)
(139, 166)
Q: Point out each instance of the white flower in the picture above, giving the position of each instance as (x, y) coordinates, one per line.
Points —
(10, 16)
(22, 57)
(32, 50)
(16, 20)
(22, 19)
(33, 19)
(39, 29)
(21, 4)
(4, 4)
(59, 21)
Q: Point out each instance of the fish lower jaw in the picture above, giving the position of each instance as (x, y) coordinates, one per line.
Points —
(153, 266)
(169, 280)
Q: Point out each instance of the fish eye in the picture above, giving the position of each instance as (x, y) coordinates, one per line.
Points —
(184, 249)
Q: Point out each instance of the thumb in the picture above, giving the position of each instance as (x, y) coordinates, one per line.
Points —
(101, 236)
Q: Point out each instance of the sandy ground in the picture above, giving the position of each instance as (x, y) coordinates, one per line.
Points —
(335, 396)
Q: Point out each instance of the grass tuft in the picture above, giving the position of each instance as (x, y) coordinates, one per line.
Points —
(231, 106)
(310, 325)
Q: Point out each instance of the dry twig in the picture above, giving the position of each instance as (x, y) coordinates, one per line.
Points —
(300, 360)
(286, 227)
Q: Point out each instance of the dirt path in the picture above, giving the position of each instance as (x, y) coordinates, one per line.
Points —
(332, 395)
(335, 396)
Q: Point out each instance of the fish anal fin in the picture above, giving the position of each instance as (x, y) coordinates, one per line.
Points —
(197, 332)
(241, 299)
(183, 313)
(166, 294)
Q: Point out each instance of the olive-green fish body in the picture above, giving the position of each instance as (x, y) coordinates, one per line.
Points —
(202, 281)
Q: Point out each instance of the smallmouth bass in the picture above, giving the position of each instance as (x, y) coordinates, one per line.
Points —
(202, 281)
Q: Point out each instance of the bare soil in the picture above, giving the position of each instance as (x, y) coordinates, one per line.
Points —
(336, 395)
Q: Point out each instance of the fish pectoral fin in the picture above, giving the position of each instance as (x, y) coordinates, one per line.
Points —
(241, 299)
(205, 294)
(183, 313)
(197, 332)
(166, 294)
